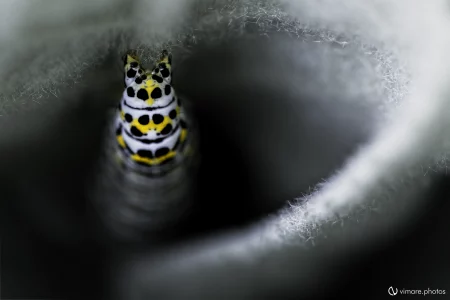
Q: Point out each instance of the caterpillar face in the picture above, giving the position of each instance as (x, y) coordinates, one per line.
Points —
(150, 128)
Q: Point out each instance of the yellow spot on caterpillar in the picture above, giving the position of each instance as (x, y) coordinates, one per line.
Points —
(149, 85)
(153, 161)
(131, 59)
(183, 135)
(122, 115)
(121, 141)
(152, 126)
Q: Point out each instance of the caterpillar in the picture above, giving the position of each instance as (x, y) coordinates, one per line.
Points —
(146, 176)
(150, 127)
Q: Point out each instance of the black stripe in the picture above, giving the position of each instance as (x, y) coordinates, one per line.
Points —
(180, 145)
(149, 108)
(176, 144)
(147, 141)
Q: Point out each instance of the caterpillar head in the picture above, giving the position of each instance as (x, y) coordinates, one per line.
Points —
(148, 88)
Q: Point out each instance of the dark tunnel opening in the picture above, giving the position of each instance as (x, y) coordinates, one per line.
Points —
(272, 126)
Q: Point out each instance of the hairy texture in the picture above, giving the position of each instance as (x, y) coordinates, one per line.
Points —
(413, 118)
(59, 43)
(405, 46)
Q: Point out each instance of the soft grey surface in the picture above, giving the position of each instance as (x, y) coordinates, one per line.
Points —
(46, 57)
